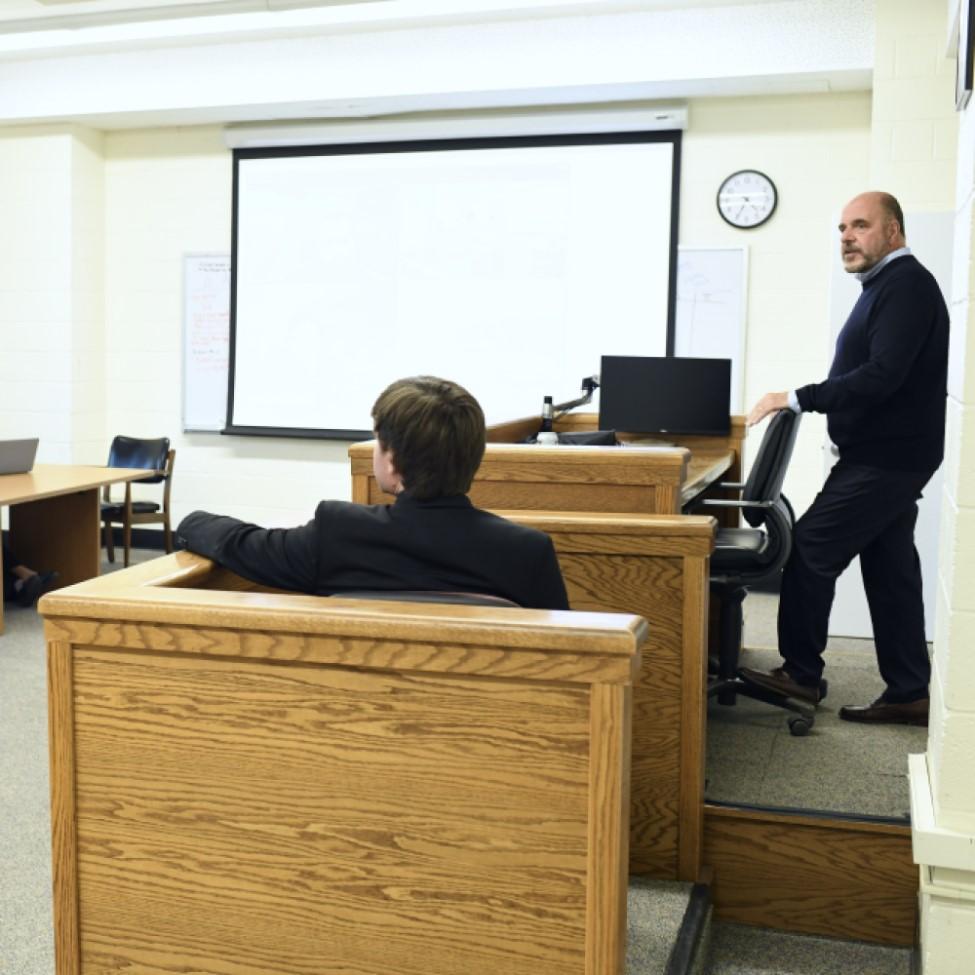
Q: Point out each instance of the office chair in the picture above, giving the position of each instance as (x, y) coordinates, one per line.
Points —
(153, 455)
(748, 556)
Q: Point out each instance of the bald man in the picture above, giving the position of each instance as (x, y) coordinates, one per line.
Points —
(884, 400)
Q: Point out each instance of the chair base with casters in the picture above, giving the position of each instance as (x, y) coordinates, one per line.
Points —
(748, 556)
(727, 684)
(154, 455)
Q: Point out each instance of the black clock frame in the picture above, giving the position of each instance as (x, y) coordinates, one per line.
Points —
(765, 220)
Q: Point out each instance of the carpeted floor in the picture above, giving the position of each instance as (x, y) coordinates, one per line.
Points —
(739, 950)
(839, 766)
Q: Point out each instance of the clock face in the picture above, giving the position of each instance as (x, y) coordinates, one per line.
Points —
(747, 199)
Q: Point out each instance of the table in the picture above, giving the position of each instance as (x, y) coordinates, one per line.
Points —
(55, 518)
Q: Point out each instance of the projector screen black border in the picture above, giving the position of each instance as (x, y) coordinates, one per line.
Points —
(297, 433)
(673, 136)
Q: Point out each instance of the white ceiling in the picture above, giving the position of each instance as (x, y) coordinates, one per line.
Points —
(349, 58)
(28, 15)
(35, 15)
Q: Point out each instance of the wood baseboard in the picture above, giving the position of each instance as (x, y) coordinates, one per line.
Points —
(839, 877)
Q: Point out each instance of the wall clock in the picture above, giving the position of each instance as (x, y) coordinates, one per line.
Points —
(747, 199)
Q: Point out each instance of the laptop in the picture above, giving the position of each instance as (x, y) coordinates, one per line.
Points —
(17, 456)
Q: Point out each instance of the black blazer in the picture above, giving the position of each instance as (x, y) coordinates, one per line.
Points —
(441, 544)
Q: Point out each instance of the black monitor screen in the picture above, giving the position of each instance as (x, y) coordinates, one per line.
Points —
(643, 394)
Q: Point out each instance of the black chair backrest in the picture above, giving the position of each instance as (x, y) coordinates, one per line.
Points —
(430, 596)
(768, 472)
(149, 455)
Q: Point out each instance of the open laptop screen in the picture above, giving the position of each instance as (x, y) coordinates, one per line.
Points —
(650, 394)
(17, 456)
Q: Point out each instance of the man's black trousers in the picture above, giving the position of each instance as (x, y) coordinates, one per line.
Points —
(868, 512)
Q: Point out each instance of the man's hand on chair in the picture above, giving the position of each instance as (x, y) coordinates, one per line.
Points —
(769, 403)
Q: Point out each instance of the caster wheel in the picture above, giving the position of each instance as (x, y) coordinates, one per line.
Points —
(799, 727)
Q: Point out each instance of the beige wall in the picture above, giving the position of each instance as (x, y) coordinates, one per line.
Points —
(51, 289)
(816, 150)
(167, 192)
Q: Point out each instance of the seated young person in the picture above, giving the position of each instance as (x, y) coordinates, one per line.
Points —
(429, 443)
(21, 584)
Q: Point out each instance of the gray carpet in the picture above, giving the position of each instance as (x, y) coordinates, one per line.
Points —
(839, 766)
(739, 950)
(26, 939)
(654, 912)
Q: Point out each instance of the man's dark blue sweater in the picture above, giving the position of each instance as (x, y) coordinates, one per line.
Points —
(885, 395)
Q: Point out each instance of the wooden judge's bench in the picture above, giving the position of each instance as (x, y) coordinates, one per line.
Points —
(614, 515)
(641, 477)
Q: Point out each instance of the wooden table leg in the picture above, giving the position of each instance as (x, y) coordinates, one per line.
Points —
(59, 533)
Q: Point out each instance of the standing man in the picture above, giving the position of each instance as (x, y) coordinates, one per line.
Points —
(885, 404)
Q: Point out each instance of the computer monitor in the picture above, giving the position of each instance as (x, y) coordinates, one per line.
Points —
(650, 394)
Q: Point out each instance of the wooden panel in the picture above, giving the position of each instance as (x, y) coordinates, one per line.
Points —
(840, 878)
(602, 533)
(538, 496)
(249, 801)
(64, 847)
(652, 587)
(665, 581)
(224, 804)
(59, 533)
(693, 720)
(609, 773)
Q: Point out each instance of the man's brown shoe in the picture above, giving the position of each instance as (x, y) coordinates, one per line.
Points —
(781, 683)
(885, 712)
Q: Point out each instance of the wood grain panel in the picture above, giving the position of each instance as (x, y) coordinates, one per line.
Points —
(654, 588)
(842, 878)
(349, 652)
(434, 808)
(64, 846)
(609, 773)
(693, 720)
(39, 530)
(210, 792)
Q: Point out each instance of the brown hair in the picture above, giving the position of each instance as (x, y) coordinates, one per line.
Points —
(893, 210)
(435, 431)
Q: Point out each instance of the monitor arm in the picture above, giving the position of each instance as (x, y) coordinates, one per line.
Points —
(589, 385)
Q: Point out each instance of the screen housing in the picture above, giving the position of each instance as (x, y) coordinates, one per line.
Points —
(567, 380)
(665, 395)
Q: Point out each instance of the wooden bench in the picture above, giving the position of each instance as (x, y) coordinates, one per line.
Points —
(248, 782)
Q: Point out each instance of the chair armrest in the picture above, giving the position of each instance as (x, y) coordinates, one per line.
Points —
(731, 484)
(728, 503)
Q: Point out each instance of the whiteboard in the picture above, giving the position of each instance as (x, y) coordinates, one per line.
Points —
(711, 306)
(509, 269)
(206, 340)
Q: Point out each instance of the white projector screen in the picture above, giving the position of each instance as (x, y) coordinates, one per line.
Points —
(508, 265)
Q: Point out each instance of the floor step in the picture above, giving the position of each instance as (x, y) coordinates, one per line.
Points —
(736, 949)
(667, 927)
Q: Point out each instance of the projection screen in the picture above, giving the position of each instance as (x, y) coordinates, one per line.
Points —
(509, 265)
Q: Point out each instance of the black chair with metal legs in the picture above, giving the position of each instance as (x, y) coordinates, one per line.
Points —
(152, 455)
(749, 556)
